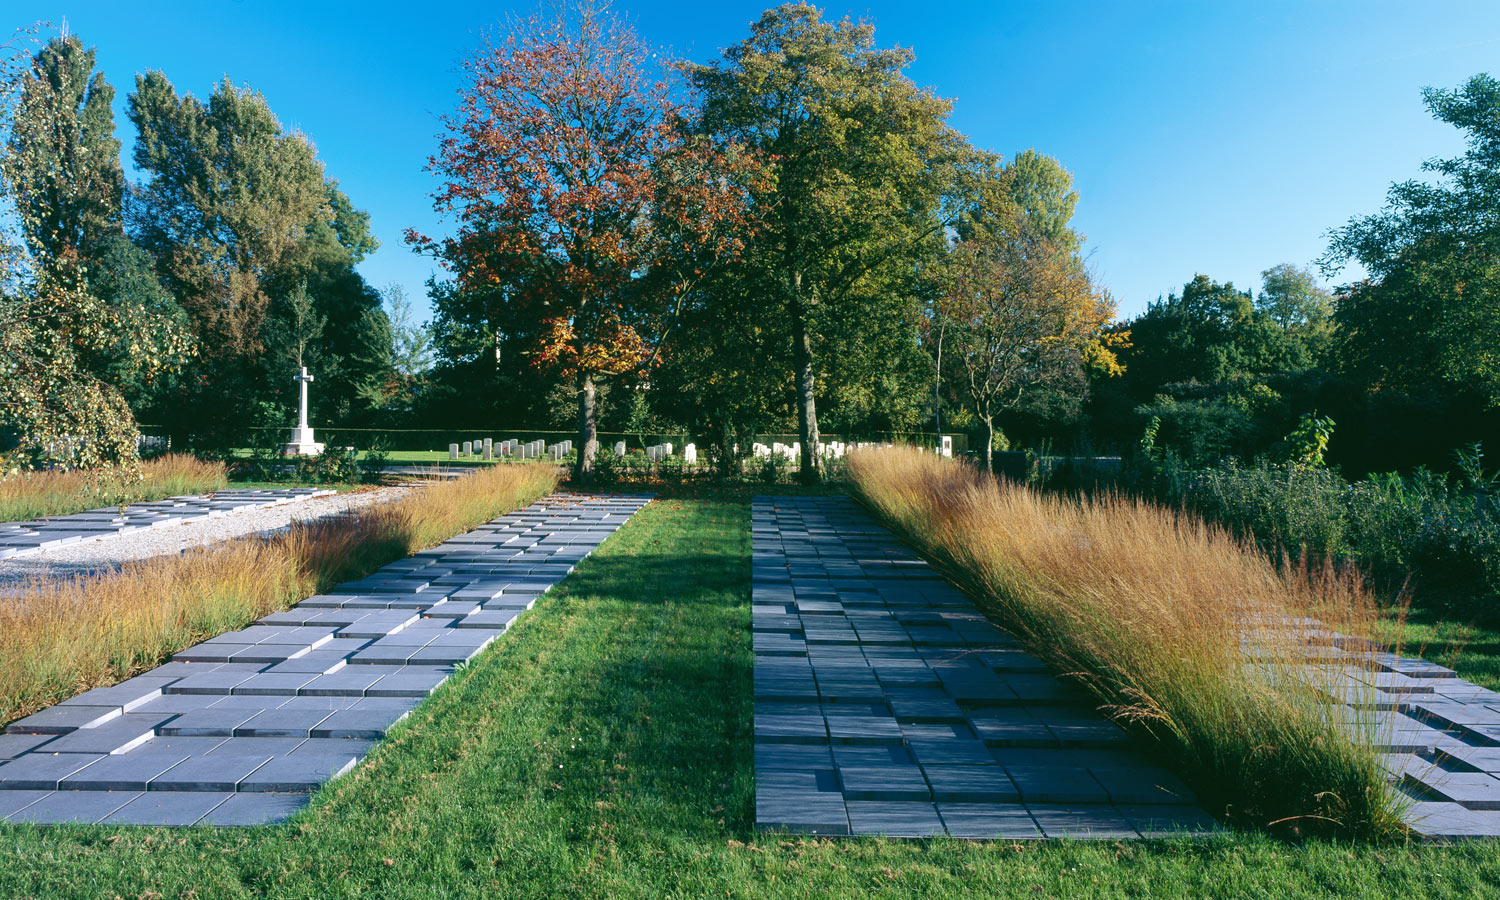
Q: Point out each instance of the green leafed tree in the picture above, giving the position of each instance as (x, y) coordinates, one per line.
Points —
(62, 341)
(242, 221)
(62, 163)
(1428, 315)
(859, 159)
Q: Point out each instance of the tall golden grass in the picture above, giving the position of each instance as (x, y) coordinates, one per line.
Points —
(1184, 634)
(28, 495)
(58, 639)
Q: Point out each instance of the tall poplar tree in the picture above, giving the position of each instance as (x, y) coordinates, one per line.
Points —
(63, 161)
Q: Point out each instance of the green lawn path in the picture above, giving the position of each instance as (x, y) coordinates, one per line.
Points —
(603, 749)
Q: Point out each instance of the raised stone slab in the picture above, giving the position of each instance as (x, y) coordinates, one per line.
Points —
(241, 728)
(19, 538)
(887, 704)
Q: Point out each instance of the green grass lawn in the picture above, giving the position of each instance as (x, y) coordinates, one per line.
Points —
(603, 749)
(399, 457)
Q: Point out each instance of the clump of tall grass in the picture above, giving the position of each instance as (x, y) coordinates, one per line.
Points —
(60, 638)
(32, 494)
(1186, 635)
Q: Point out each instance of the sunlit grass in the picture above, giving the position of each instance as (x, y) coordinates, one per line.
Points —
(58, 639)
(28, 495)
(1180, 631)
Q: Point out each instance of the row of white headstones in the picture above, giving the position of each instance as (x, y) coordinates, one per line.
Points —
(488, 448)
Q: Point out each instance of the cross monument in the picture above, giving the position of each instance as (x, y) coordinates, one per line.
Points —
(302, 443)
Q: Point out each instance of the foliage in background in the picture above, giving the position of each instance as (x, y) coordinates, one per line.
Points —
(1437, 534)
(1428, 315)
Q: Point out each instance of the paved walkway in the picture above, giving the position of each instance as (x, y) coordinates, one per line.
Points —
(51, 532)
(885, 703)
(241, 728)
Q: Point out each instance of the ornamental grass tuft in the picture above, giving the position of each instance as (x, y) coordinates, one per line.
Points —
(1192, 639)
(31, 494)
(60, 638)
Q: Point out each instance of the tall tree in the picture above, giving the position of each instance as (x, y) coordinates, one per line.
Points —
(56, 408)
(585, 207)
(1428, 316)
(1019, 311)
(63, 161)
(859, 160)
(239, 213)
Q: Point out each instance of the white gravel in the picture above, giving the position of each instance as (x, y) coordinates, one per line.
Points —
(109, 552)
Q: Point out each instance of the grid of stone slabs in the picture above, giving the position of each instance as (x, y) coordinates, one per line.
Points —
(17, 538)
(1439, 733)
(241, 728)
(885, 703)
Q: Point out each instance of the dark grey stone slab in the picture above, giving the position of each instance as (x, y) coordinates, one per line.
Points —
(282, 723)
(255, 809)
(13, 745)
(369, 724)
(979, 784)
(989, 821)
(14, 801)
(62, 719)
(123, 772)
(894, 818)
(166, 808)
(71, 808)
(895, 782)
(207, 723)
(1083, 822)
(41, 771)
(118, 735)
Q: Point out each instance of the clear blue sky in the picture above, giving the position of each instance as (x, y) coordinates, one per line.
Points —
(1215, 137)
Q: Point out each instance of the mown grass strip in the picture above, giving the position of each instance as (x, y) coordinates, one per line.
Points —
(1182, 633)
(30, 495)
(58, 639)
(602, 749)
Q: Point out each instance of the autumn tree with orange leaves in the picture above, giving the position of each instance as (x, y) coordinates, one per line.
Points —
(584, 197)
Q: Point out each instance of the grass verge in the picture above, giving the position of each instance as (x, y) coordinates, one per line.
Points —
(60, 638)
(603, 749)
(1179, 630)
(29, 495)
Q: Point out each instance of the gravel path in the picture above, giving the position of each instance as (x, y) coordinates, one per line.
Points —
(108, 553)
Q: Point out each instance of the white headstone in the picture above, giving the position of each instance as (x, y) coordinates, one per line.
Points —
(690, 454)
(489, 448)
(948, 446)
(453, 451)
(619, 448)
(468, 448)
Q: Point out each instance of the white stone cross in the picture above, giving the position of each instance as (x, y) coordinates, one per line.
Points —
(303, 379)
(302, 443)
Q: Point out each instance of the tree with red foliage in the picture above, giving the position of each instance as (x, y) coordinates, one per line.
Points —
(584, 196)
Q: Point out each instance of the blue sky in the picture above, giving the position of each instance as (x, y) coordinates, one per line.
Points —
(1214, 137)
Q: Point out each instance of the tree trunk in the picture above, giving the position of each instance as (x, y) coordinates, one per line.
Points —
(588, 430)
(989, 445)
(937, 386)
(807, 407)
